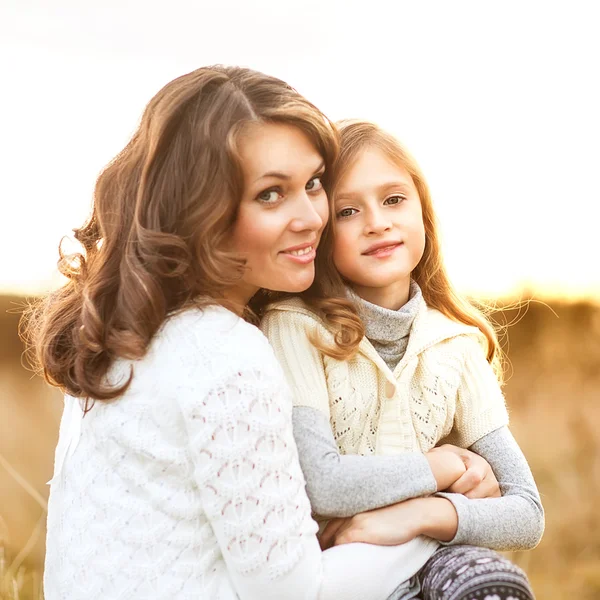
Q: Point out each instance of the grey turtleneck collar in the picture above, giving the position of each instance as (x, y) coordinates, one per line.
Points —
(388, 330)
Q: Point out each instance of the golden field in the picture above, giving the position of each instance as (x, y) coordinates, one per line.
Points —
(553, 392)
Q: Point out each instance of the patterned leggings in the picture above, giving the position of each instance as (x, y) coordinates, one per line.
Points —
(468, 573)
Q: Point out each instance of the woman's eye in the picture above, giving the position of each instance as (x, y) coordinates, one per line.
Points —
(268, 196)
(346, 212)
(315, 184)
(394, 200)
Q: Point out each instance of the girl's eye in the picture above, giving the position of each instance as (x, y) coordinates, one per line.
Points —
(393, 200)
(269, 196)
(315, 184)
(346, 212)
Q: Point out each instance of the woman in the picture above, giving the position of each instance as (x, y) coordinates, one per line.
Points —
(176, 473)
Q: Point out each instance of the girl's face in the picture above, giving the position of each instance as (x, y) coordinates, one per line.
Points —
(379, 231)
(283, 210)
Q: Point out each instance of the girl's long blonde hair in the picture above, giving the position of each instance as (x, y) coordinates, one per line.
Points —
(327, 295)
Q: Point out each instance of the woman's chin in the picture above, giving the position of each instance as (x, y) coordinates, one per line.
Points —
(297, 284)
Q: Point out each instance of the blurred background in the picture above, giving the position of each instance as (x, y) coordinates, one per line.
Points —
(498, 102)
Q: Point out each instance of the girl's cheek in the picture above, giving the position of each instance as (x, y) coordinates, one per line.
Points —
(339, 247)
(339, 253)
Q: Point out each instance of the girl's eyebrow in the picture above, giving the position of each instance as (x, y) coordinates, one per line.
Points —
(347, 196)
(384, 187)
(393, 185)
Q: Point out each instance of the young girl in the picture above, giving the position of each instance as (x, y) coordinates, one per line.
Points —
(176, 473)
(374, 396)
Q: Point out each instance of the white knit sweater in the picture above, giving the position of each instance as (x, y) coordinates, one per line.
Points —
(189, 487)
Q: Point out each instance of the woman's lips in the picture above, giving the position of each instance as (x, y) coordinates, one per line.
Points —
(303, 255)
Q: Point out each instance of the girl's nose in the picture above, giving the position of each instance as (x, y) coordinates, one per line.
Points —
(377, 223)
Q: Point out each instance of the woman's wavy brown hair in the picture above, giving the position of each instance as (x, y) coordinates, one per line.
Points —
(327, 294)
(157, 239)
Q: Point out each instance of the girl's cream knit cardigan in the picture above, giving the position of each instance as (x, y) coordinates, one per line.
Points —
(442, 389)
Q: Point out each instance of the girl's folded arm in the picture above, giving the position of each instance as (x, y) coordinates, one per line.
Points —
(344, 485)
(516, 520)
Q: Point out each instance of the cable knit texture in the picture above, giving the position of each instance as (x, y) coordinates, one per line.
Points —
(442, 389)
(189, 485)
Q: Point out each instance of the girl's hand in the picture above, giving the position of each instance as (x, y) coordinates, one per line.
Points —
(478, 481)
(446, 465)
(387, 526)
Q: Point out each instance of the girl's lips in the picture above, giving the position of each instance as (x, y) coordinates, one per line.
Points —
(384, 251)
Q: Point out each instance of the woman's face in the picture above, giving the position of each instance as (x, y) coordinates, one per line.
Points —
(283, 209)
(379, 231)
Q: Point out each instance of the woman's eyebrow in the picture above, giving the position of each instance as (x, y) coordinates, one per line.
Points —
(274, 174)
(286, 176)
(320, 167)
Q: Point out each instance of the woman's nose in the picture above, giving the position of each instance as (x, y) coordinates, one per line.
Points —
(309, 215)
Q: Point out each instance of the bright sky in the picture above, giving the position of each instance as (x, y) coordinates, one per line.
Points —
(498, 101)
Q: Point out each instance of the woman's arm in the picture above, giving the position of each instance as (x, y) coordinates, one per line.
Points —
(246, 466)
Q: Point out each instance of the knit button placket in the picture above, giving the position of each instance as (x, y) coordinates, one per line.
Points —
(390, 389)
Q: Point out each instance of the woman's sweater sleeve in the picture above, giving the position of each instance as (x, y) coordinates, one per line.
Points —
(253, 494)
(516, 520)
(246, 465)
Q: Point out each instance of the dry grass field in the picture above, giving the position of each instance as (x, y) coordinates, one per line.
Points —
(553, 392)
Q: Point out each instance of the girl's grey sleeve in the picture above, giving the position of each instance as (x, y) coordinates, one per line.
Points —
(345, 485)
(516, 520)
